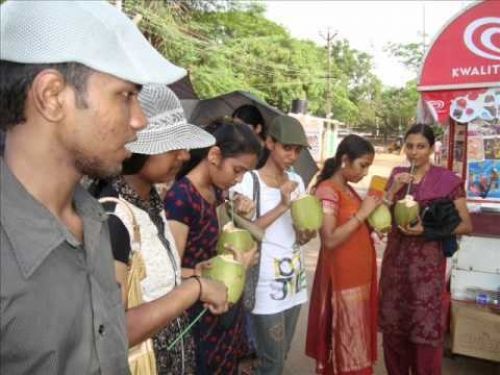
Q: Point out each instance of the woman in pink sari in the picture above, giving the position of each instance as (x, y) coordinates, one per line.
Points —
(412, 285)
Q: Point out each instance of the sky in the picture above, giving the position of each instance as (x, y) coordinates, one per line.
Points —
(368, 25)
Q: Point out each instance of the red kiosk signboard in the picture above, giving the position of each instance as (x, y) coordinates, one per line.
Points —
(460, 89)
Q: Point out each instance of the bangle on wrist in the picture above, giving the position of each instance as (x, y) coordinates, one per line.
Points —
(387, 201)
(356, 217)
(197, 278)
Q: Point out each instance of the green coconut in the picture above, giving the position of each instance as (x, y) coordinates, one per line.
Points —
(307, 213)
(238, 239)
(406, 211)
(228, 271)
(380, 219)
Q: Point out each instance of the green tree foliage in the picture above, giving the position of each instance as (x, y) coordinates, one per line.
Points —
(398, 105)
(409, 54)
(230, 45)
(397, 109)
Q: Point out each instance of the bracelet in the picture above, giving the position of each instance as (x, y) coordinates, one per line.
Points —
(197, 278)
(387, 201)
(355, 216)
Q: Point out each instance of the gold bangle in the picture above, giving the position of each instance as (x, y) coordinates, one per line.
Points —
(355, 216)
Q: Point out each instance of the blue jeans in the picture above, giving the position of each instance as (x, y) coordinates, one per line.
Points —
(273, 336)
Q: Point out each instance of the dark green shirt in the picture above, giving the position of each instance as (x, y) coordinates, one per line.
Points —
(60, 306)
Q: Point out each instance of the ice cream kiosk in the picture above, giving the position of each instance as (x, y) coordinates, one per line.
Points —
(460, 90)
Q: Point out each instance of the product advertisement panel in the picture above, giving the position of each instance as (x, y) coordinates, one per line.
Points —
(483, 160)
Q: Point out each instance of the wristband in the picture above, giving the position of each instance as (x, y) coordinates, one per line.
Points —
(197, 278)
(355, 216)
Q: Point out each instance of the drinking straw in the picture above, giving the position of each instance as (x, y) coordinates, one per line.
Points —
(232, 210)
(186, 330)
(412, 167)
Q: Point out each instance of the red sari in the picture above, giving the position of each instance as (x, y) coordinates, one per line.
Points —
(342, 327)
(412, 283)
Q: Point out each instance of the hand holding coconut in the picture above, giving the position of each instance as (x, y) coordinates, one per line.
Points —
(239, 243)
(413, 228)
(307, 215)
(229, 271)
(369, 204)
(214, 295)
(248, 258)
(243, 206)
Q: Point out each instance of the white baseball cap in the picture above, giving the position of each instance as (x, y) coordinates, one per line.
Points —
(93, 33)
(167, 128)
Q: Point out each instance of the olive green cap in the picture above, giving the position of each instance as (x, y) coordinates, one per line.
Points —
(288, 130)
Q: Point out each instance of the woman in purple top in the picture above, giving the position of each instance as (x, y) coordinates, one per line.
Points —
(191, 210)
(412, 283)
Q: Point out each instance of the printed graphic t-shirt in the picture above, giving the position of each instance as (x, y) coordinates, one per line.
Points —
(282, 276)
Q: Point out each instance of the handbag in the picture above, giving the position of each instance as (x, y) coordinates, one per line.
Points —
(439, 219)
(141, 357)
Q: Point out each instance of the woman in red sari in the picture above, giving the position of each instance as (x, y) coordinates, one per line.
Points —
(412, 285)
(342, 334)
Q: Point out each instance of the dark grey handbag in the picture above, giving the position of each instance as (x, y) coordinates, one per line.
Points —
(439, 219)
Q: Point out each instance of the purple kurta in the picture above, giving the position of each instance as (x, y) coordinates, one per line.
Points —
(412, 282)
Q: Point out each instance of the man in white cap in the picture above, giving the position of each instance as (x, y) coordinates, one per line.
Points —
(70, 72)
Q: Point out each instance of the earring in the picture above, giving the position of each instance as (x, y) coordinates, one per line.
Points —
(342, 165)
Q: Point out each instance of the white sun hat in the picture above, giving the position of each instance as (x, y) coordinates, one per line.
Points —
(93, 33)
(167, 128)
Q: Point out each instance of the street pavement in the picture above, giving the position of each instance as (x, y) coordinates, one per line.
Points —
(299, 364)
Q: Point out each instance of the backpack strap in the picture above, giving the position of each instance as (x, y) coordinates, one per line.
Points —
(256, 193)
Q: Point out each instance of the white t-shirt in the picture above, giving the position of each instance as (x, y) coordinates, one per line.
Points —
(282, 276)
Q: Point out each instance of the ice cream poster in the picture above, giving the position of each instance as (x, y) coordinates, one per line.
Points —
(484, 181)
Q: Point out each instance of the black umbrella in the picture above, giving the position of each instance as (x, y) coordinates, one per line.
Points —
(207, 110)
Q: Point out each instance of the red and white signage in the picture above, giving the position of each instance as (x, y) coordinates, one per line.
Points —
(464, 105)
(466, 54)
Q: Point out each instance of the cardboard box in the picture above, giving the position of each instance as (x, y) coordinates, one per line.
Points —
(475, 331)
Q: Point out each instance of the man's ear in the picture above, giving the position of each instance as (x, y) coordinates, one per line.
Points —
(214, 156)
(258, 129)
(47, 94)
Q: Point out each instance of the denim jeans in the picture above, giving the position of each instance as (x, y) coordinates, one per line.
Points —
(273, 336)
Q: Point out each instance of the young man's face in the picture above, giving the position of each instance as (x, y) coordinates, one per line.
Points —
(96, 136)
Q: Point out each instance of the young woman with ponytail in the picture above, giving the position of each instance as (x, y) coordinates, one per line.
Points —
(342, 328)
